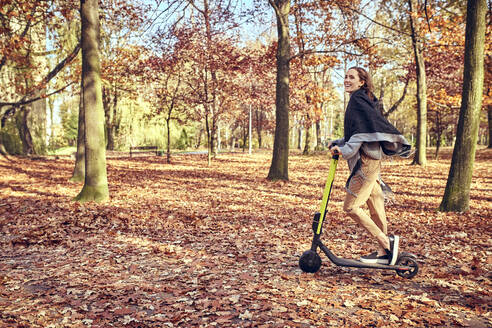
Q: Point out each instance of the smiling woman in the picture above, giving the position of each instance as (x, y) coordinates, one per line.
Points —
(352, 81)
(367, 136)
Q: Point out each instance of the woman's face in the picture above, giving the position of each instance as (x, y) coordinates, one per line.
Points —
(352, 81)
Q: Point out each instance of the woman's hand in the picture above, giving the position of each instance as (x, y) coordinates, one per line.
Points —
(335, 150)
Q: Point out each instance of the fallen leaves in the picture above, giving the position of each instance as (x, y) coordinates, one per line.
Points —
(191, 245)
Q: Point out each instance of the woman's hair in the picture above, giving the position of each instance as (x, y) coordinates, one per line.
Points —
(368, 86)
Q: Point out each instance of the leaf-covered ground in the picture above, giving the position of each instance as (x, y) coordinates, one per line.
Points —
(191, 245)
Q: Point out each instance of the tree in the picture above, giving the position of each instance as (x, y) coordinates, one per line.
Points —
(258, 81)
(19, 105)
(118, 58)
(210, 25)
(96, 181)
(280, 161)
(167, 80)
(322, 36)
(457, 194)
(444, 71)
(23, 32)
(420, 155)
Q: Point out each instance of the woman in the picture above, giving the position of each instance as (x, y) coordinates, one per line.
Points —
(367, 136)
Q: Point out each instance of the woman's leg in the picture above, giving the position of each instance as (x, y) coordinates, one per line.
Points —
(362, 187)
(376, 209)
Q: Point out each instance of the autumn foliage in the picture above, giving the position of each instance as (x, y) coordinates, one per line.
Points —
(197, 246)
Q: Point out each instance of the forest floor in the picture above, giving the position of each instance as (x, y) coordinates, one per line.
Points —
(191, 245)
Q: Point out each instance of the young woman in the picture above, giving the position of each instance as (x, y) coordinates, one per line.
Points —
(368, 136)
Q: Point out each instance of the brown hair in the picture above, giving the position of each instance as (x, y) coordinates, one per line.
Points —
(364, 76)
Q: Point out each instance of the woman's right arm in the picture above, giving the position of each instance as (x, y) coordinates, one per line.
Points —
(350, 148)
(337, 142)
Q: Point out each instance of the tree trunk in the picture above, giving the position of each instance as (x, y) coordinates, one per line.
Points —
(3, 151)
(307, 143)
(318, 134)
(280, 160)
(259, 125)
(199, 141)
(96, 181)
(489, 113)
(79, 168)
(395, 106)
(219, 141)
(438, 134)
(245, 137)
(213, 74)
(36, 123)
(420, 154)
(457, 194)
(24, 131)
(299, 137)
(207, 128)
(168, 152)
(213, 136)
(110, 102)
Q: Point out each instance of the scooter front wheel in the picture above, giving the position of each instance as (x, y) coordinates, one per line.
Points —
(407, 261)
(310, 261)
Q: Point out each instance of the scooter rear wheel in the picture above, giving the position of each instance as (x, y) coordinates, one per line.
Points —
(310, 261)
(408, 261)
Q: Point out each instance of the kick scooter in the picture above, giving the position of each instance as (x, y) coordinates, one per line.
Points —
(406, 265)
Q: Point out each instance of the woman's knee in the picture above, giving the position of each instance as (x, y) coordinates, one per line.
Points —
(351, 210)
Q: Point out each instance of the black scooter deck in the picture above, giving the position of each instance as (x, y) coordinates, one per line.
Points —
(358, 264)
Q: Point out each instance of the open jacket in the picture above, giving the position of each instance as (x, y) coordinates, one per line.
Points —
(367, 130)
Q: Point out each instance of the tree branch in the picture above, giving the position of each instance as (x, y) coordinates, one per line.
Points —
(17, 105)
(192, 3)
(442, 105)
(399, 101)
(46, 79)
(275, 7)
(331, 51)
(374, 21)
(427, 16)
(23, 101)
(23, 34)
(62, 64)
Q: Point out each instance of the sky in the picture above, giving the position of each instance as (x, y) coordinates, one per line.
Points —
(251, 30)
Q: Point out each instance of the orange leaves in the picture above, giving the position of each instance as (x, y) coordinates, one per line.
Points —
(194, 245)
(316, 60)
(441, 99)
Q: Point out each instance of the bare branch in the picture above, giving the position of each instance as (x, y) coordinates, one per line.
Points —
(23, 101)
(18, 105)
(62, 64)
(47, 78)
(442, 105)
(399, 101)
(427, 16)
(358, 12)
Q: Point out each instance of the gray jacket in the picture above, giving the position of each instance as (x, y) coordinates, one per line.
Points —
(351, 150)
